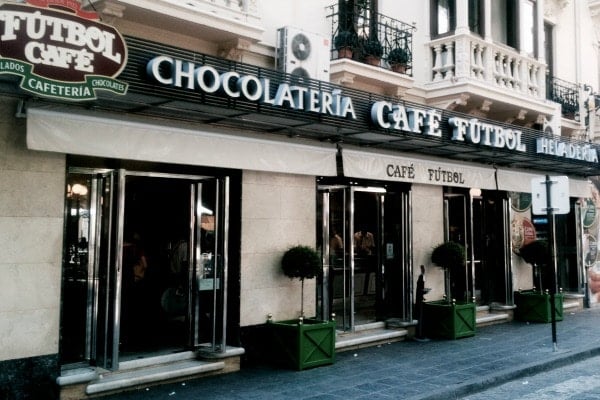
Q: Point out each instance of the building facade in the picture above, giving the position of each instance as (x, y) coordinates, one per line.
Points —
(174, 150)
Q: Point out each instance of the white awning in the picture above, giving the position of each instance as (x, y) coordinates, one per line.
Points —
(391, 167)
(126, 137)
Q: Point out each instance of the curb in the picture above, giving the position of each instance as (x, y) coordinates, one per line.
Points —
(479, 384)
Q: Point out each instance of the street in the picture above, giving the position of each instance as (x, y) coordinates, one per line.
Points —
(516, 353)
(580, 381)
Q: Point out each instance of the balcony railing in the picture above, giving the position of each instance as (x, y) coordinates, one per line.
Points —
(469, 57)
(564, 93)
(373, 38)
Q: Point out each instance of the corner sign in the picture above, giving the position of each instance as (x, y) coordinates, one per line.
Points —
(59, 50)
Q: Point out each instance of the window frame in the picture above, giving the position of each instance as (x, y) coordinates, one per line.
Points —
(477, 16)
(434, 18)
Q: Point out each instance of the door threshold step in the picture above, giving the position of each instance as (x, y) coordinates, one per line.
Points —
(137, 377)
(76, 376)
(491, 318)
(348, 341)
(570, 304)
(148, 361)
(369, 326)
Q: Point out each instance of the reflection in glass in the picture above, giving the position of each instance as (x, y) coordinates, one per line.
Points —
(75, 319)
(443, 14)
(528, 28)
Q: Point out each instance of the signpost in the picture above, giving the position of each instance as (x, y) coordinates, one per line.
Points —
(550, 195)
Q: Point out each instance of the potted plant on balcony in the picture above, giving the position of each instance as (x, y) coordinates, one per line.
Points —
(398, 59)
(372, 51)
(534, 305)
(448, 318)
(304, 342)
(344, 43)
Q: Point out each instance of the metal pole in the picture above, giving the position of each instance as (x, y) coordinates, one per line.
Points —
(551, 259)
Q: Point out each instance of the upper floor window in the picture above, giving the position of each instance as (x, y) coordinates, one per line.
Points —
(443, 17)
(528, 28)
(514, 24)
(476, 17)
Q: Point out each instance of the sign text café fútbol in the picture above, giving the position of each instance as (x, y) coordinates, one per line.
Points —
(60, 50)
(170, 71)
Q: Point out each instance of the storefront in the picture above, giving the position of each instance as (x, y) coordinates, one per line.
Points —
(182, 177)
(408, 204)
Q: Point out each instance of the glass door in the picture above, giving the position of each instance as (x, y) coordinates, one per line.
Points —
(366, 225)
(145, 267)
(86, 279)
(478, 220)
(211, 249)
(364, 234)
(456, 217)
(334, 294)
(174, 263)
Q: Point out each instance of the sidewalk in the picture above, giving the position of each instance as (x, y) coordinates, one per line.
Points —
(435, 369)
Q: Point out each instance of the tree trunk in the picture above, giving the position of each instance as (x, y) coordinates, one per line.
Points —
(302, 299)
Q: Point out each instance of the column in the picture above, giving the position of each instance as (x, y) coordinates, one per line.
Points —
(462, 17)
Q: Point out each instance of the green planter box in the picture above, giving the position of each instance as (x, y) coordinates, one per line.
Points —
(301, 346)
(535, 306)
(449, 321)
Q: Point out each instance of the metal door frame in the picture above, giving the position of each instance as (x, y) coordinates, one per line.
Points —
(349, 213)
(221, 259)
(106, 352)
(98, 177)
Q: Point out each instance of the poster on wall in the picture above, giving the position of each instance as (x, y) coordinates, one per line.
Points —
(590, 240)
(520, 202)
(522, 228)
(522, 232)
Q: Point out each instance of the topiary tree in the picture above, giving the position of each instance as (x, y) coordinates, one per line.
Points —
(450, 256)
(301, 262)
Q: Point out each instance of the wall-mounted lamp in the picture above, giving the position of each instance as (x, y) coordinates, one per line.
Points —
(475, 192)
(79, 189)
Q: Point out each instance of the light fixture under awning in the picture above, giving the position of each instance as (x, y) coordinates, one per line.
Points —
(126, 137)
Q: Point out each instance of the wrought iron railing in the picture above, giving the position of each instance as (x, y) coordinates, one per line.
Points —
(565, 93)
(362, 35)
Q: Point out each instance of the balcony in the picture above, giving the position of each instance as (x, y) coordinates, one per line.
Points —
(370, 50)
(478, 77)
(564, 93)
(217, 21)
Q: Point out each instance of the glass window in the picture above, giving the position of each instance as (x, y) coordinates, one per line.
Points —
(476, 17)
(499, 22)
(443, 17)
(513, 26)
(528, 28)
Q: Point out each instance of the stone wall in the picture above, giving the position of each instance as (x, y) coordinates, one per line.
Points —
(278, 211)
(31, 230)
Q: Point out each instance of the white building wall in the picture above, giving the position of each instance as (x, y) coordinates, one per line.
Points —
(31, 228)
(428, 231)
(278, 211)
(576, 46)
(309, 15)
